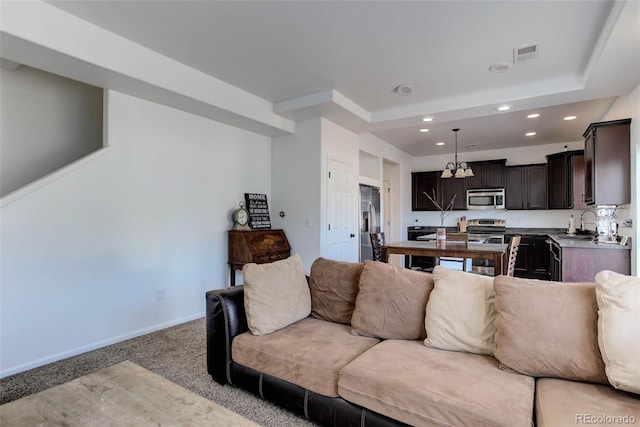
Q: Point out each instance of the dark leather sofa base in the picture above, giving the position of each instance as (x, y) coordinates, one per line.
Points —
(330, 411)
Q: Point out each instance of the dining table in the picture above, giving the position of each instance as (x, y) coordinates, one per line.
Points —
(496, 252)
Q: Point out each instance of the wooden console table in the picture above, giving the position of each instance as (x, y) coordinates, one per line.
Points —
(258, 246)
(493, 251)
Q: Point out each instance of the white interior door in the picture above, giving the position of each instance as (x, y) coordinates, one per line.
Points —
(342, 241)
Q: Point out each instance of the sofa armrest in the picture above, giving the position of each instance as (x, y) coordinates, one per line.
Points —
(226, 319)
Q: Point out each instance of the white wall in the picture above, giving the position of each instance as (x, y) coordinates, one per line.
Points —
(83, 258)
(48, 121)
(295, 177)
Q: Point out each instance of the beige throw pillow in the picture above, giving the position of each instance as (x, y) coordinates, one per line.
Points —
(548, 329)
(618, 299)
(334, 287)
(460, 312)
(275, 295)
(391, 302)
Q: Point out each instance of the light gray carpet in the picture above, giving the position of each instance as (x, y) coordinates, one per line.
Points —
(178, 354)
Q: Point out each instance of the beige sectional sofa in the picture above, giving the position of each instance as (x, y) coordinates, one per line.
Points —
(376, 345)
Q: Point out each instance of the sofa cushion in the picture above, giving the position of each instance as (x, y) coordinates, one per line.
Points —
(334, 287)
(391, 302)
(419, 385)
(309, 353)
(548, 329)
(275, 294)
(618, 298)
(460, 312)
(569, 403)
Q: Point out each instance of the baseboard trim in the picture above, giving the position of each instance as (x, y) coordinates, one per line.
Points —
(79, 350)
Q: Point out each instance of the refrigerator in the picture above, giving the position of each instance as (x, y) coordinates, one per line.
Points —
(369, 219)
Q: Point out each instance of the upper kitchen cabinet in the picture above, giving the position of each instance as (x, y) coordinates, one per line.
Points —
(565, 180)
(487, 174)
(607, 163)
(424, 182)
(450, 187)
(526, 187)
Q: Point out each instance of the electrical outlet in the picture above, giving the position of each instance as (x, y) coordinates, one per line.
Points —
(159, 294)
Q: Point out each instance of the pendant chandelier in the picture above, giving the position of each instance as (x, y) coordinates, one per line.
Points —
(461, 169)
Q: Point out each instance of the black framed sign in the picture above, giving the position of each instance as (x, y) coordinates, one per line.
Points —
(258, 211)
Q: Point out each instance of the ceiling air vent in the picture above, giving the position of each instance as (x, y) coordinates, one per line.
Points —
(521, 54)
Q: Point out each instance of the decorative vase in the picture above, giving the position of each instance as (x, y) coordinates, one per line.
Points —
(441, 233)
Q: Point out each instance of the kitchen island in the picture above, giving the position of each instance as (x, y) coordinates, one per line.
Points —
(497, 252)
(578, 258)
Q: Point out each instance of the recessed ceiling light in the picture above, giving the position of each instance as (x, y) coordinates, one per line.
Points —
(504, 107)
(423, 130)
(439, 143)
(570, 118)
(530, 133)
(427, 119)
(533, 116)
(500, 67)
(404, 89)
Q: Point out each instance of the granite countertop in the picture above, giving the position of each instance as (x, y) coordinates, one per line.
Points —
(560, 236)
(535, 231)
(564, 240)
(584, 241)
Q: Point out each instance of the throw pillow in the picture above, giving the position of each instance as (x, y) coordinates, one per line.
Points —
(460, 312)
(334, 287)
(548, 329)
(275, 295)
(618, 298)
(391, 302)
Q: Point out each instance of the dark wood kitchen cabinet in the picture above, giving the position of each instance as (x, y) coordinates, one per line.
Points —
(539, 258)
(526, 187)
(445, 188)
(487, 174)
(607, 163)
(565, 180)
(422, 182)
(450, 187)
(532, 261)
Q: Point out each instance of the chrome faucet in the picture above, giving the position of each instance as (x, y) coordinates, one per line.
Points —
(595, 215)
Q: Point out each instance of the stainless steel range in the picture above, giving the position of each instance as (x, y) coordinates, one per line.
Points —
(485, 231)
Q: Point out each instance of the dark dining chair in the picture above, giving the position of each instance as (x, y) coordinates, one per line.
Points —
(377, 242)
(513, 254)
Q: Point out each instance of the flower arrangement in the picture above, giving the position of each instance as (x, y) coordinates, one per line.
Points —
(444, 212)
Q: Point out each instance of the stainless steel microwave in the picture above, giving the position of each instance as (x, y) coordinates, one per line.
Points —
(485, 199)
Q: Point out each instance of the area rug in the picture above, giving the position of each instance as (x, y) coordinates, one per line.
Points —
(124, 394)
